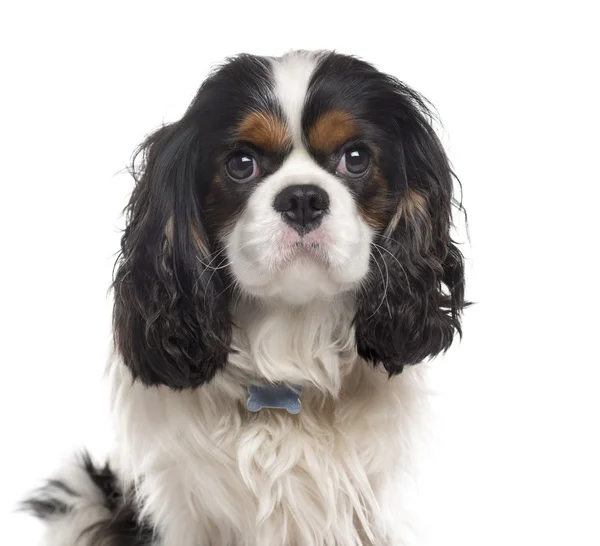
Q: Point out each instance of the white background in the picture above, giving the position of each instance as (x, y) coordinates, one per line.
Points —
(515, 456)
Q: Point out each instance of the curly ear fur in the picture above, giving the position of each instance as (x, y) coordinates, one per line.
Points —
(171, 318)
(413, 312)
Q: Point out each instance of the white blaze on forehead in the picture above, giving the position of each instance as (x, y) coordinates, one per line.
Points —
(292, 74)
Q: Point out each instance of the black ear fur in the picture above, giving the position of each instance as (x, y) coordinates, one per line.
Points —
(171, 319)
(411, 311)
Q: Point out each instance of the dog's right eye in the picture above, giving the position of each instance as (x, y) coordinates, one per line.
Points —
(354, 162)
(242, 168)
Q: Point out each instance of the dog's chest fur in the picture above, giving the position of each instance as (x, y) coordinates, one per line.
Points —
(212, 473)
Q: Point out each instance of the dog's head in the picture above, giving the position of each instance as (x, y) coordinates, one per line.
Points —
(290, 179)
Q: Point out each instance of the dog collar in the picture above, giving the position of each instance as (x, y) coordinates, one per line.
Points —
(277, 396)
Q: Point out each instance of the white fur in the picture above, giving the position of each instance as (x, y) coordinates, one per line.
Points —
(292, 76)
(216, 474)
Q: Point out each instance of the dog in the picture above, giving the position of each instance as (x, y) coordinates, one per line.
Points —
(287, 254)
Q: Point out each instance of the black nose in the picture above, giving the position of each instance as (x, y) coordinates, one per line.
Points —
(302, 206)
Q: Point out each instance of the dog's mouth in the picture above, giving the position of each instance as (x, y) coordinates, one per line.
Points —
(306, 251)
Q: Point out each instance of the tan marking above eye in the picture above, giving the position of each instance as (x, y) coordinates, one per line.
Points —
(266, 131)
(331, 130)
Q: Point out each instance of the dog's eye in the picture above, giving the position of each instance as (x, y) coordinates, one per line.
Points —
(354, 162)
(242, 168)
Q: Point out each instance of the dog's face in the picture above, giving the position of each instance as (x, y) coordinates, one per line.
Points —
(289, 179)
(300, 234)
(309, 179)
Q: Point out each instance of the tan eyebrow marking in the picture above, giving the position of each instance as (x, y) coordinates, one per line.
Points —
(331, 130)
(266, 131)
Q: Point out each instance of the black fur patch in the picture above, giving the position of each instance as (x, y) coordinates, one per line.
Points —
(58, 499)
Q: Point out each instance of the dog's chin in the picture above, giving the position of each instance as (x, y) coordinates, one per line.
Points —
(301, 275)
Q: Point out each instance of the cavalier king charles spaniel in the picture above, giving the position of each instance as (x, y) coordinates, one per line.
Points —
(287, 254)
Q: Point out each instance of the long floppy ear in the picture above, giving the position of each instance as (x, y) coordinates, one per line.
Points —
(410, 308)
(171, 320)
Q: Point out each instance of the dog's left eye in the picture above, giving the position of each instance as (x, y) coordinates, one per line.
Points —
(354, 162)
(242, 168)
